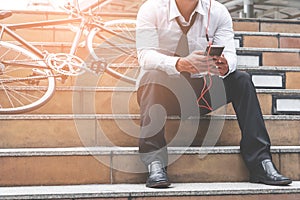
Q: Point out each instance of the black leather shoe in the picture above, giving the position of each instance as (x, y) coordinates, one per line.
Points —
(268, 174)
(157, 176)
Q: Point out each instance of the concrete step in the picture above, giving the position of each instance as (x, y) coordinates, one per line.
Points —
(284, 60)
(115, 165)
(62, 33)
(59, 39)
(285, 77)
(35, 15)
(182, 191)
(285, 46)
(267, 39)
(123, 130)
(123, 100)
(240, 24)
(266, 25)
(281, 62)
(260, 48)
(274, 76)
(247, 56)
(57, 33)
(268, 56)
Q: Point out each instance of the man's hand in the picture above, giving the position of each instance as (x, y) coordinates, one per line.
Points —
(197, 62)
(222, 65)
(194, 63)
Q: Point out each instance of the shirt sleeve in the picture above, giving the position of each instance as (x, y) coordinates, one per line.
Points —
(224, 35)
(150, 56)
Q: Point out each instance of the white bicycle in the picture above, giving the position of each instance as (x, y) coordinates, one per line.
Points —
(28, 75)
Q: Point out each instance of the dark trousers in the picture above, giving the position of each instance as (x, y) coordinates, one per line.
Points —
(160, 95)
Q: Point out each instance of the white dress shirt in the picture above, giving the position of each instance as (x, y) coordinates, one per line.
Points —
(158, 33)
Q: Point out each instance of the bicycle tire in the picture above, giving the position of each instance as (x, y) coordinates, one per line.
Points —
(25, 82)
(116, 45)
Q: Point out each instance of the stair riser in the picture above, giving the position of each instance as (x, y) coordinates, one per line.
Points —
(125, 132)
(238, 23)
(262, 57)
(280, 59)
(56, 33)
(53, 170)
(210, 168)
(264, 26)
(58, 170)
(259, 58)
(291, 79)
(60, 40)
(118, 102)
(65, 35)
(272, 41)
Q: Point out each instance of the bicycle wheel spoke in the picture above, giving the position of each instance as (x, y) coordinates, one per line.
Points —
(8, 97)
(4, 54)
(13, 98)
(25, 82)
(20, 96)
(26, 97)
(116, 44)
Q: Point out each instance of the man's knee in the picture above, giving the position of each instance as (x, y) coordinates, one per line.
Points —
(241, 79)
(151, 86)
(153, 76)
(243, 76)
(246, 77)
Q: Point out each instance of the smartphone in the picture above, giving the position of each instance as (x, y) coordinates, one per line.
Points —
(215, 50)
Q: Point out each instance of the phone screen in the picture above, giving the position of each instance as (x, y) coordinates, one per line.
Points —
(214, 50)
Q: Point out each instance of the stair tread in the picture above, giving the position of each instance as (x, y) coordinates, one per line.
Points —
(275, 49)
(139, 190)
(255, 49)
(126, 116)
(82, 151)
(133, 89)
(277, 34)
(270, 68)
(286, 21)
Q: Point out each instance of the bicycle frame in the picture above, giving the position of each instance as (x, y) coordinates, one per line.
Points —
(9, 29)
(32, 69)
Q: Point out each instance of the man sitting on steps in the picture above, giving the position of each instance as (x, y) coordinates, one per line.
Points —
(171, 39)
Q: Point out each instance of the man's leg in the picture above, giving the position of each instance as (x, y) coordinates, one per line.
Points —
(152, 96)
(255, 143)
(160, 95)
(154, 100)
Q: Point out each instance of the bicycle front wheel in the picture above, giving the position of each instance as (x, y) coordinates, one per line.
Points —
(25, 82)
(115, 43)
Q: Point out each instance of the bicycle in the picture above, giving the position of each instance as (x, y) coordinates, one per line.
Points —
(28, 75)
